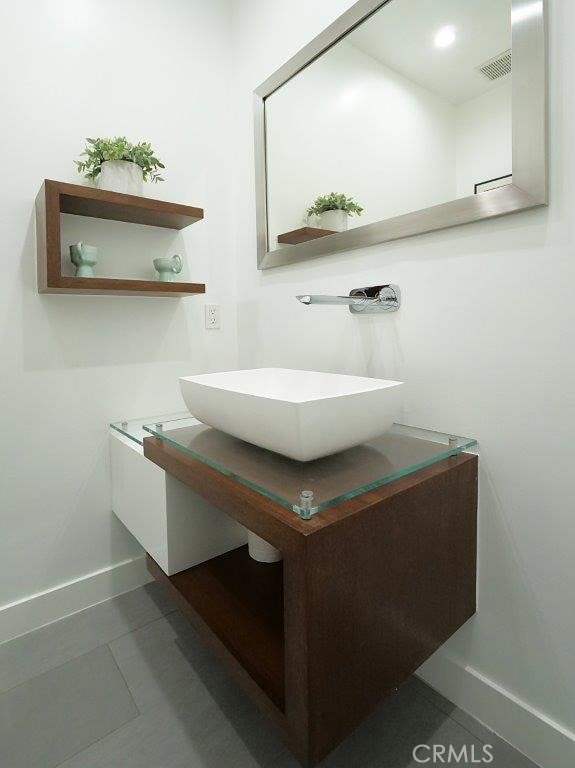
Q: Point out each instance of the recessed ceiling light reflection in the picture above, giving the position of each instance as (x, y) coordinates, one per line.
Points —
(349, 97)
(445, 37)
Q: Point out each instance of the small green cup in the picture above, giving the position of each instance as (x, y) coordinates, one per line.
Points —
(167, 268)
(83, 257)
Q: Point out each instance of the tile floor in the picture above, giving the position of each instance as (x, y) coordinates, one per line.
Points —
(128, 684)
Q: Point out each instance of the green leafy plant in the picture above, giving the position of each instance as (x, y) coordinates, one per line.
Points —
(97, 151)
(334, 202)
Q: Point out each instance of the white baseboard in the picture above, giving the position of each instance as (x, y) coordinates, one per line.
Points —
(532, 732)
(43, 608)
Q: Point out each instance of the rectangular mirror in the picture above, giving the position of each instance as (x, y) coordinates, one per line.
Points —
(402, 117)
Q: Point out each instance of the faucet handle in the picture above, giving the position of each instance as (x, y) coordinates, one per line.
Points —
(384, 298)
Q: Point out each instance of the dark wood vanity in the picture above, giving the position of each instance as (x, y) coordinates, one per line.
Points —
(367, 590)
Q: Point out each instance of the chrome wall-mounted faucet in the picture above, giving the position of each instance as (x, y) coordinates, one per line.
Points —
(365, 301)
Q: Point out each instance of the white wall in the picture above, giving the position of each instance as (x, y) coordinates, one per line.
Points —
(485, 343)
(350, 124)
(70, 364)
(483, 130)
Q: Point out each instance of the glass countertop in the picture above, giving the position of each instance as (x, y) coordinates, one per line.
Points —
(305, 487)
(134, 428)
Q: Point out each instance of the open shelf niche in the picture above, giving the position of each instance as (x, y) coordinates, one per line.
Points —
(57, 197)
(237, 604)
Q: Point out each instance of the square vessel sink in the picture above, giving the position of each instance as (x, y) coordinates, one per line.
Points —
(301, 414)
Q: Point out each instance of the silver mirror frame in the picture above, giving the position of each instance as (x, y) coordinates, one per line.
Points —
(529, 109)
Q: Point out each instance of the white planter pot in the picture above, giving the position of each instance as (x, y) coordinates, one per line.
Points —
(334, 220)
(121, 176)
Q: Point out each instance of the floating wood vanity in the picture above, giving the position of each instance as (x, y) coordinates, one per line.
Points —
(369, 587)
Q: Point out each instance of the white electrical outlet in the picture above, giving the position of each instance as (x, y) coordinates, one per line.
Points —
(212, 316)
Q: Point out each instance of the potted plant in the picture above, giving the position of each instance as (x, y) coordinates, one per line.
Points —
(118, 165)
(332, 211)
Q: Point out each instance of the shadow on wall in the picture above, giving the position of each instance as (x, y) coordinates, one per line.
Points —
(511, 609)
(88, 331)
(379, 345)
(89, 509)
(248, 320)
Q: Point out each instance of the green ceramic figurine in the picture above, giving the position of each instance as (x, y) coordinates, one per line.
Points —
(167, 268)
(83, 257)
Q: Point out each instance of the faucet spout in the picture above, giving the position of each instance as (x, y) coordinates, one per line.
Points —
(379, 298)
(334, 300)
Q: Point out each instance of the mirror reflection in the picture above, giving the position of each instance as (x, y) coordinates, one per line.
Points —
(411, 109)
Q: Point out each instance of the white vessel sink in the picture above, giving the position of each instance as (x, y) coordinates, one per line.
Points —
(301, 414)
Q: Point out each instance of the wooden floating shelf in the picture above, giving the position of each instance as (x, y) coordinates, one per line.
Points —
(303, 234)
(120, 287)
(57, 197)
(102, 204)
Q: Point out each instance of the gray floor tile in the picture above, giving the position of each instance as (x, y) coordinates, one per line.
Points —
(389, 735)
(207, 721)
(172, 737)
(167, 667)
(191, 713)
(57, 714)
(30, 655)
(166, 662)
(160, 661)
(504, 754)
(451, 736)
(432, 695)
(217, 727)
